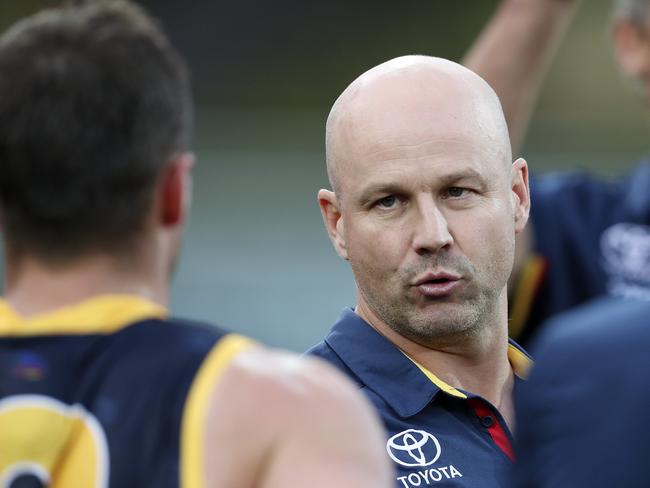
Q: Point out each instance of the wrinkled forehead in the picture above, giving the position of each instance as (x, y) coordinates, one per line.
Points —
(403, 115)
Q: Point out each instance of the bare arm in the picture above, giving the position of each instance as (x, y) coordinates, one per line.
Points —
(513, 52)
(280, 421)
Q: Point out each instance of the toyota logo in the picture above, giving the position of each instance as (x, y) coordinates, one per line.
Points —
(413, 448)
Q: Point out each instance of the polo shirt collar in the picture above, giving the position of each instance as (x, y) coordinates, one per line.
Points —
(380, 365)
(383, 368)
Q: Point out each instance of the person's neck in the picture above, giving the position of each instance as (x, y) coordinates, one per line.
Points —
(476, 361)
(33, 287)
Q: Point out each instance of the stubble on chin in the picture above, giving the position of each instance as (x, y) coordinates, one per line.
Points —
(432, 322)
(438, 323)
(428, 321)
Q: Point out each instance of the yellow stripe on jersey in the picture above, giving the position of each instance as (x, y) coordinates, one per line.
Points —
(196, 406)
(101, 314)
(527, 286)
(450, 390)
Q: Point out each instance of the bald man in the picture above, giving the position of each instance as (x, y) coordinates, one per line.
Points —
(425, 205)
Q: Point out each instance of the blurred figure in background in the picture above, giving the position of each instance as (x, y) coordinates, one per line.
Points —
(99, 386)
(588, 237)
(425, 204)
(580, 417)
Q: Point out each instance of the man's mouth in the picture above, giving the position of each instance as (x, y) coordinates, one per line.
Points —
(437, 284)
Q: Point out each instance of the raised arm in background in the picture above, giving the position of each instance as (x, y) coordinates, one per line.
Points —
(514, 51)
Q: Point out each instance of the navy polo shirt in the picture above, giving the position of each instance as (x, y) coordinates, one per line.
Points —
(436, 435)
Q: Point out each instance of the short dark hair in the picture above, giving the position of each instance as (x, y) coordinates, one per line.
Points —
(94, 102)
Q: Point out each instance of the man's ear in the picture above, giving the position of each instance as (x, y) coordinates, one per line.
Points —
(520, 193)
(175, 189)
(632, 48)
(330, 209)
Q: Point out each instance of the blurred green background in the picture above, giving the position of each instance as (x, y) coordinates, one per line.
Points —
(256, 257)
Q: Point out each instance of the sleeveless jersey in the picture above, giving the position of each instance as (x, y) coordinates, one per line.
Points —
(108, 393)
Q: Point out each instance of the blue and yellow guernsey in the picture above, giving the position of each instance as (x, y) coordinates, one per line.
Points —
(436, 435)
(108, 393)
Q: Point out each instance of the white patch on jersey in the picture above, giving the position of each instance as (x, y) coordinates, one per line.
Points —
(625, 249)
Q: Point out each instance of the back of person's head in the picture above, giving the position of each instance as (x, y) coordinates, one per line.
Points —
(93, 103)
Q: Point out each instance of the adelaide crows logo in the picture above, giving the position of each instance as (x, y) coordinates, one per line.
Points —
(413, 448)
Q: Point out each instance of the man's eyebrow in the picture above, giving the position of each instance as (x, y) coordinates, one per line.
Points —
(465, 174)
(374, 189)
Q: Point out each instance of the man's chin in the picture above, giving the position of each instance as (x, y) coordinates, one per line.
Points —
(443, 320)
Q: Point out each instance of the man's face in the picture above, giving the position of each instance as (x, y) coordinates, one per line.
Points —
(427, 215)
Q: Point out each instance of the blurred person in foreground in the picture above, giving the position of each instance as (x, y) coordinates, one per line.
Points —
(99, 386)
(589, 237)
(425, 204)
(580, 415)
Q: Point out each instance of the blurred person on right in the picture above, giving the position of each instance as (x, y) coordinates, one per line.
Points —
(586, 258)
(580, 415)
(589, 237)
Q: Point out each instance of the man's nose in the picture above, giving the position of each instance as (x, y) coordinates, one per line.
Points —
(431, 229)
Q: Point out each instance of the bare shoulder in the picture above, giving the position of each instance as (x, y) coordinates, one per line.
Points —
(294, 391)
(289, 378)
(303, 420)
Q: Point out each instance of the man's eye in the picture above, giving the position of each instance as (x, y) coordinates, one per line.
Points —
(456, 191)
(387, 202)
